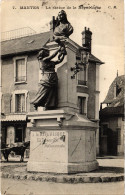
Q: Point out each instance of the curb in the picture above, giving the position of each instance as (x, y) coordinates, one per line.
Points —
(64, 179)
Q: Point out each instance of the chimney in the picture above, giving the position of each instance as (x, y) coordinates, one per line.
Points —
(52, 27)
(86, 39)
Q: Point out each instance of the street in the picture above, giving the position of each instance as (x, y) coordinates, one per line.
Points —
(29, 187)
(16, 187)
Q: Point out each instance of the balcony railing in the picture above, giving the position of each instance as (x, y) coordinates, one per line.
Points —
(81, 82)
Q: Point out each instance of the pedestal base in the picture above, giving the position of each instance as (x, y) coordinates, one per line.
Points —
(69, 147)
(50, 167)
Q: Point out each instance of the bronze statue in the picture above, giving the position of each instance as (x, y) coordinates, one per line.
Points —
(62, 28)
(47, 95)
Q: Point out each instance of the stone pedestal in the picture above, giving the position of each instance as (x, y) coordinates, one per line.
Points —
(61, 142)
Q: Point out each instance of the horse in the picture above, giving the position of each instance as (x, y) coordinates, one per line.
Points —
(19, 150)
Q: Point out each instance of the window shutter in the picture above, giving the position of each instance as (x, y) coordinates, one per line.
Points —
(22, 102)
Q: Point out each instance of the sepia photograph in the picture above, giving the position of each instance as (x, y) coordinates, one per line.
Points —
(62, 97)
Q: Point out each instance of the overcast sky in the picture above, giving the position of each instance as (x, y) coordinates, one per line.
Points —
(106, 24)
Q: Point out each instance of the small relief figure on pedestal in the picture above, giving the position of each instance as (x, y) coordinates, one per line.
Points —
(47, 95)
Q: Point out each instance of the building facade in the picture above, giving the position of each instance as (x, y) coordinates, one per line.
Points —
(112, 119)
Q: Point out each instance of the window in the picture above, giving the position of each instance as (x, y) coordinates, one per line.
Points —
(20, 69)
(83, 65)
(82, 80)
(82, 105)
(118, 90)
(81, 101)
(20, 103)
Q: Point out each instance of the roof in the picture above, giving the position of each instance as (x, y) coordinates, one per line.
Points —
(24, 44)
(91, 56)
(119, 99)
(119, 110)
(13, 117)
(94, 59)
(31, 43)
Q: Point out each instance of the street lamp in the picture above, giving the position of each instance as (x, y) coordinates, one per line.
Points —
(81, 62)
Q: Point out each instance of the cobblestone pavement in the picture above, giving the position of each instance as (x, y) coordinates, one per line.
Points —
(110, 170)
(18, 187)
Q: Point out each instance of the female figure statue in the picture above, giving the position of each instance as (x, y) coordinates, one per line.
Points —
(47, 93)
(63, 28)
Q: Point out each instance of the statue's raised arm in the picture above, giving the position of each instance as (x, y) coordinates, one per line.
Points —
(47, 93)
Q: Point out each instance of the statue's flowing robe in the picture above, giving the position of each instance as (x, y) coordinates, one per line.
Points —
(47, 93)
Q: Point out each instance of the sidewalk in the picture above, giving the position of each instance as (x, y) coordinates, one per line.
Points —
(110, 170)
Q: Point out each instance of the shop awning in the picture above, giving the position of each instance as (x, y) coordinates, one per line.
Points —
(14, 117)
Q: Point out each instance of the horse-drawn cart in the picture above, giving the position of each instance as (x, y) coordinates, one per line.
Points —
(15, 148)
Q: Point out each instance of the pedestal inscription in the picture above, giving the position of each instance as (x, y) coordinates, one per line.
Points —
(49, 146)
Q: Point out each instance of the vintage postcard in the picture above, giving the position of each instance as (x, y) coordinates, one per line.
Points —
(62, 97)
